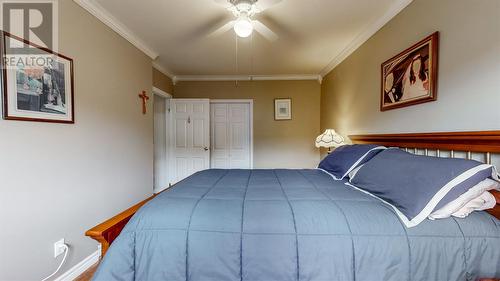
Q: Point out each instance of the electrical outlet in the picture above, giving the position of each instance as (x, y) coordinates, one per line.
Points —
(58, 248)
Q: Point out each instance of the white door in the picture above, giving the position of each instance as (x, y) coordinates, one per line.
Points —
(230, 135)
(161, 179)
(190, 137)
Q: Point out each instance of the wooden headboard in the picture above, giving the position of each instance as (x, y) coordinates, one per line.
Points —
(485, 142)
(481, 141)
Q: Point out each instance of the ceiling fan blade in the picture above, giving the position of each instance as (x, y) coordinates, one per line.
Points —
(224, 3)
(223, 29)
(264, 30)
(266, 4)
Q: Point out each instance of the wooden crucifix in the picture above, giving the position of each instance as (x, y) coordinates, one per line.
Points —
(144, 98)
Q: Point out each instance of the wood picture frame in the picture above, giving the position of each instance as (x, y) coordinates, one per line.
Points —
(410, 77)
(38, 86)
(282, 109)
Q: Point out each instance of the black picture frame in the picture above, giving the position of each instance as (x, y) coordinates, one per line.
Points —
(30, 101)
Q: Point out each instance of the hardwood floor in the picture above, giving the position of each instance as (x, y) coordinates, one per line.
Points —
(87, 275)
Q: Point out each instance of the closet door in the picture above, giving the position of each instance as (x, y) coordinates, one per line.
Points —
(230, 135)
(190, 137)
(219, 158)
(239, 136)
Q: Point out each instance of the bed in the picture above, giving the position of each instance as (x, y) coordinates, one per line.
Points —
(297, 225)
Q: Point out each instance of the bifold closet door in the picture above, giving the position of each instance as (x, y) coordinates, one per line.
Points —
(230, 135)
(190, 137)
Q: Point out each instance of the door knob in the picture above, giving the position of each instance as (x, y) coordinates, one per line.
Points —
(205, 148)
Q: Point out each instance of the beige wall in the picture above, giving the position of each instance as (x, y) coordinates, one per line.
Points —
(162, 82)
(59, 180)
(277, 144)
(469, 72)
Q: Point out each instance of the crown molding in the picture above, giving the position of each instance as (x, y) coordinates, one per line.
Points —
(160, 92)
(163, 70)
(366, 34)
(105, 17)
(292, 77)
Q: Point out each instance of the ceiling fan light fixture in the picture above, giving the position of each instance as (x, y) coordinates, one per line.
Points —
(243, 27)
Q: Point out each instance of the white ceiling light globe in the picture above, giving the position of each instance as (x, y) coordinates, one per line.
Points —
(243, 27)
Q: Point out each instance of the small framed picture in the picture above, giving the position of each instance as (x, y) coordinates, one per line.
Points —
(37, 82)
(283, 109)
(410, 77)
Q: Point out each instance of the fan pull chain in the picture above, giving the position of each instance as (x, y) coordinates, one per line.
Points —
(251, 57)
(237, 66)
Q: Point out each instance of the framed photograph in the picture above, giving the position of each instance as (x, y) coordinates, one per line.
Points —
(38, 84)
(283, 109)
(411, 77)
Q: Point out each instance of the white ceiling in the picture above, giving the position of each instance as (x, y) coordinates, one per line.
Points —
(314, 35)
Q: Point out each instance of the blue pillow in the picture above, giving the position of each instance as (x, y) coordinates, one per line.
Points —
(346, 158)
(416, 185)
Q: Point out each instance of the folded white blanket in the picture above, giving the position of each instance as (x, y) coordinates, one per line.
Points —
(485, 201)
(476, 198)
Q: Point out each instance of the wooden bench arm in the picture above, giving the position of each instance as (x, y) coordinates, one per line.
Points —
(107, 231)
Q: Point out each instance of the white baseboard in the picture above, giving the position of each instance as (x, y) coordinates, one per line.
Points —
(80, 267)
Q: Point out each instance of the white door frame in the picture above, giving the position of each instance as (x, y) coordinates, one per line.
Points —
(158, 92)
(250, 102)
(162, 93)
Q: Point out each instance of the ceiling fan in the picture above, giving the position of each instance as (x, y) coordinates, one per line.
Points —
(243, 24)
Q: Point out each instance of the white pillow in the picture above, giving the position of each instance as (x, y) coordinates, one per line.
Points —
(484, 202)
(475, 192)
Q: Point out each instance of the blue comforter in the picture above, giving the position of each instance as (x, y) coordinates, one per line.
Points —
(277, 225)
